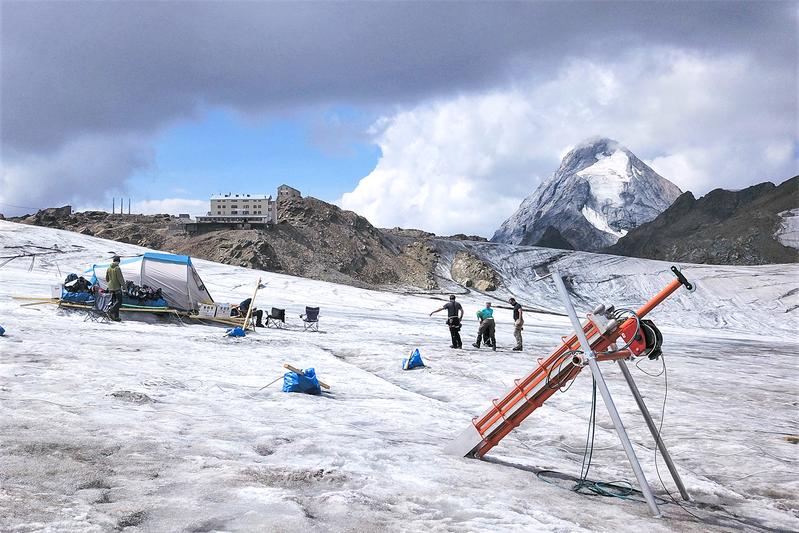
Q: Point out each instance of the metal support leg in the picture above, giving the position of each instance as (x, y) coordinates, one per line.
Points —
(603, 389)
(653, 429)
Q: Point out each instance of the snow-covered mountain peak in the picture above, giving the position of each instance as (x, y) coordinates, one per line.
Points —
(588, 153)
(600, 191)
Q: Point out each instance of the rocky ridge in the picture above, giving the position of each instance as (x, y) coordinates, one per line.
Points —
(722, 227)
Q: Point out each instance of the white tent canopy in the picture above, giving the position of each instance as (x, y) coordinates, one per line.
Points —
(175, 275)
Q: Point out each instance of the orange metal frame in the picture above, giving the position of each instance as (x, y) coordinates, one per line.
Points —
(501, 409)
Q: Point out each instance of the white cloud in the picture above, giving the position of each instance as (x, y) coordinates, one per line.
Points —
(464, 164)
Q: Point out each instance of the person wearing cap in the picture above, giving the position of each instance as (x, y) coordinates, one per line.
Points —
(115, 280)
(487, 327)
(454, 317)
(518, 322)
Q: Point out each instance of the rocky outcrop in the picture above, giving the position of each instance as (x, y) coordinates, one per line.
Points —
(600, 192)
(419, 260)
(470, 271)
(722, 227)
(552, 238)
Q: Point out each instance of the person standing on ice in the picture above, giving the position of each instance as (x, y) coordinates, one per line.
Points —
(115, 280)
(487, 327)
(518, 322)
(454, 318)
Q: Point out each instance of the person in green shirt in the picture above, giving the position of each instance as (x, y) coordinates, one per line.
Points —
(115, 281)
(487, 327)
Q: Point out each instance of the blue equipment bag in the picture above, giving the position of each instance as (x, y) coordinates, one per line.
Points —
(2, 331)
(305, 382)
(235, 332)
(413, 361)
(136, 302)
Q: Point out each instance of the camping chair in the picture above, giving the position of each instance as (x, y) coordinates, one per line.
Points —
(276, 318)
(310, 319)
(99, 311)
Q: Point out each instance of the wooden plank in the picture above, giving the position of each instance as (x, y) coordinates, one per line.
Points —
(47, 302)
(299, 371)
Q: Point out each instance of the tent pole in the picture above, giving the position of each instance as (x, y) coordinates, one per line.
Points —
(653, 429)
(252, 304)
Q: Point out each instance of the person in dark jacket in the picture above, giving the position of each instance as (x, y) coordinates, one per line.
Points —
(115, 280)
(454, 318)
(241, 310)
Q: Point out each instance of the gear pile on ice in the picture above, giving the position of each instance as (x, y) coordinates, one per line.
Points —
(142, 292)
(73, 283)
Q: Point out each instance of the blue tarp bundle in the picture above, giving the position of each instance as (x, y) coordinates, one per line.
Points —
(2, 331)
(413, 361)
(305, 382)
(235, 332)
(77, 297)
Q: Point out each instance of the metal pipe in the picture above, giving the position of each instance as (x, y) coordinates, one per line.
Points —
(659, 297)
(606, 397)
(653, 429)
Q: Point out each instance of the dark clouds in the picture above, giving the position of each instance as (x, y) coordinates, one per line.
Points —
(73, 68)
(95, 81)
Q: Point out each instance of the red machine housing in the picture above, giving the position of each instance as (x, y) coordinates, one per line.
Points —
(632, 335)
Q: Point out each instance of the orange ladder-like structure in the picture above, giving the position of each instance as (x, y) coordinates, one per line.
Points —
(531, 391)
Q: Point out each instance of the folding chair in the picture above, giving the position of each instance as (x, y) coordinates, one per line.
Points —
(310, 319)
(276, 318)
(99, 310)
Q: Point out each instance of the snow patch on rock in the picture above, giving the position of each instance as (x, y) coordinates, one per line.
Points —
(600, 222)
(788, 230)
(607, 177)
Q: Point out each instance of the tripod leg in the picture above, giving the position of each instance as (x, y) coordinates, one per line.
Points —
(653, 429)
(606, 397)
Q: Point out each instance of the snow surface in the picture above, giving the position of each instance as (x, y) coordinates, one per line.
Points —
(788, 230)
(607, 177)
(82, 448)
